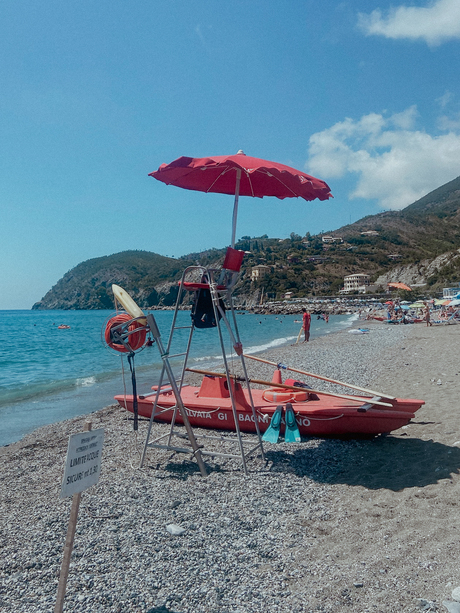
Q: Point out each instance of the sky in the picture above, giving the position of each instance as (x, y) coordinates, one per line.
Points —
(364, 94)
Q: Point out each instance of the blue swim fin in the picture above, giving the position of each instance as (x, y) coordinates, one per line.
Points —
(272, 433)
(292, 434)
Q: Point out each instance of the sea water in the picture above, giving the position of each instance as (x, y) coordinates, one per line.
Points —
(49, 374)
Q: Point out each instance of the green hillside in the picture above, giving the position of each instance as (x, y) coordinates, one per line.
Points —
(148, 277)
(426, 228)
(306, 265)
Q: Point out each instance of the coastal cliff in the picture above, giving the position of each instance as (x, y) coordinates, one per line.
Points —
(150, 278)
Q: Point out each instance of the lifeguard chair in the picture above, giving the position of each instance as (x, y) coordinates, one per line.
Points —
(212, 301)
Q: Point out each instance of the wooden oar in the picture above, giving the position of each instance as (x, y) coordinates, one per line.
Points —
(371, 401)
(310, 374)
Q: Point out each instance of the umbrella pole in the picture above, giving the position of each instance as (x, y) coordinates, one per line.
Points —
(235, 206)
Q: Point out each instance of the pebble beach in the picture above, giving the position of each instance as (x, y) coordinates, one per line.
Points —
(324, 525)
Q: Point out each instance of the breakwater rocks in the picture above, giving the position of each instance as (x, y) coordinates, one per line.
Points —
(332, 306)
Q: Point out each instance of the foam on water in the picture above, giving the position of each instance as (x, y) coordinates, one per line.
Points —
(277, 342)
(86, 381)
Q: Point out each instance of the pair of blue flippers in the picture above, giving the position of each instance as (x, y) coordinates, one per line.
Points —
(291, 433)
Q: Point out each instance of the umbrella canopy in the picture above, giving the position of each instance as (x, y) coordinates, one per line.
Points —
(399, 286)
(241, 175)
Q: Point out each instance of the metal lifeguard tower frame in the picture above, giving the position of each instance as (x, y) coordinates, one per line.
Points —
(219, 284)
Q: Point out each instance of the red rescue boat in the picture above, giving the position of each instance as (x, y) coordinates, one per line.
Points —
(209, 406)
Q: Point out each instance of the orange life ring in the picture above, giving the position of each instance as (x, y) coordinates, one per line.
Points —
(276, 394)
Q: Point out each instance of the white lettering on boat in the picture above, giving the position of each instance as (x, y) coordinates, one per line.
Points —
(222, 416)
(247, 417)
(199, 414)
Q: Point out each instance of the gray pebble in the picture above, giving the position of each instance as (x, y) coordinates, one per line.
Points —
(175, 530)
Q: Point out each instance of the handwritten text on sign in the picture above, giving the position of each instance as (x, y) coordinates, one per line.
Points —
(83, 462)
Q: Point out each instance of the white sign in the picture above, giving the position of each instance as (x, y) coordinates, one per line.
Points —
(83, 462)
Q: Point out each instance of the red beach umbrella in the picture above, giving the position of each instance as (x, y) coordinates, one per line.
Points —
(241, 175)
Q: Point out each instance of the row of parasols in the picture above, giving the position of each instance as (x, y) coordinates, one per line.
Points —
(405, 305)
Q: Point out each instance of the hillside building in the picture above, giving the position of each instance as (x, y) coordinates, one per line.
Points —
(259, 272)
(357, 283)
(331, 239)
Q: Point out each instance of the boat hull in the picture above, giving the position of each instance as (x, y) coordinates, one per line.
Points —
(326, 417)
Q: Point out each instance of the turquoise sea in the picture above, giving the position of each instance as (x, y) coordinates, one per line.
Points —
(48, 375)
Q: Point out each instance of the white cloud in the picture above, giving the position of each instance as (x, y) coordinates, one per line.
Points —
(395, 164)
(437, 22)
(445, 99)
(449, 123)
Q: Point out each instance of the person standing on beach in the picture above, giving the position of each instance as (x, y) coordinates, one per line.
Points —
(427, 315)
(306, 323)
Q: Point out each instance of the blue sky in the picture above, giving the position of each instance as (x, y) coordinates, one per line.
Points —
(363, 94)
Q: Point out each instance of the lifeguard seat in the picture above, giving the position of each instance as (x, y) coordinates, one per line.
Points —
(203, 314)
(228, 276)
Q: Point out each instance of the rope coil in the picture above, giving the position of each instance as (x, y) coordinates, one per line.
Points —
(134, 334)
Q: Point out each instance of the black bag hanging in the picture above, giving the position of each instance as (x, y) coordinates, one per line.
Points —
(203, 312)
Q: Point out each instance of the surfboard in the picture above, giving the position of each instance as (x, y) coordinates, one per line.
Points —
(128, 304)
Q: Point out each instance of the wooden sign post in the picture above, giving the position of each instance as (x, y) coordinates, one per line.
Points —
(82, 470)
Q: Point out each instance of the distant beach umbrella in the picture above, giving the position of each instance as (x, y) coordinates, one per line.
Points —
(399, 286)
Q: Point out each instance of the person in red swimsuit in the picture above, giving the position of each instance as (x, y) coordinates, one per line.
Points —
(306, 322)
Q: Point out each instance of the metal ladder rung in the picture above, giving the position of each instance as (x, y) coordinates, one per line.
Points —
(177, 355)
(178, 449)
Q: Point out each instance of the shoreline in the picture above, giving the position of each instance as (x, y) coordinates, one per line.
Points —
(324, 525)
